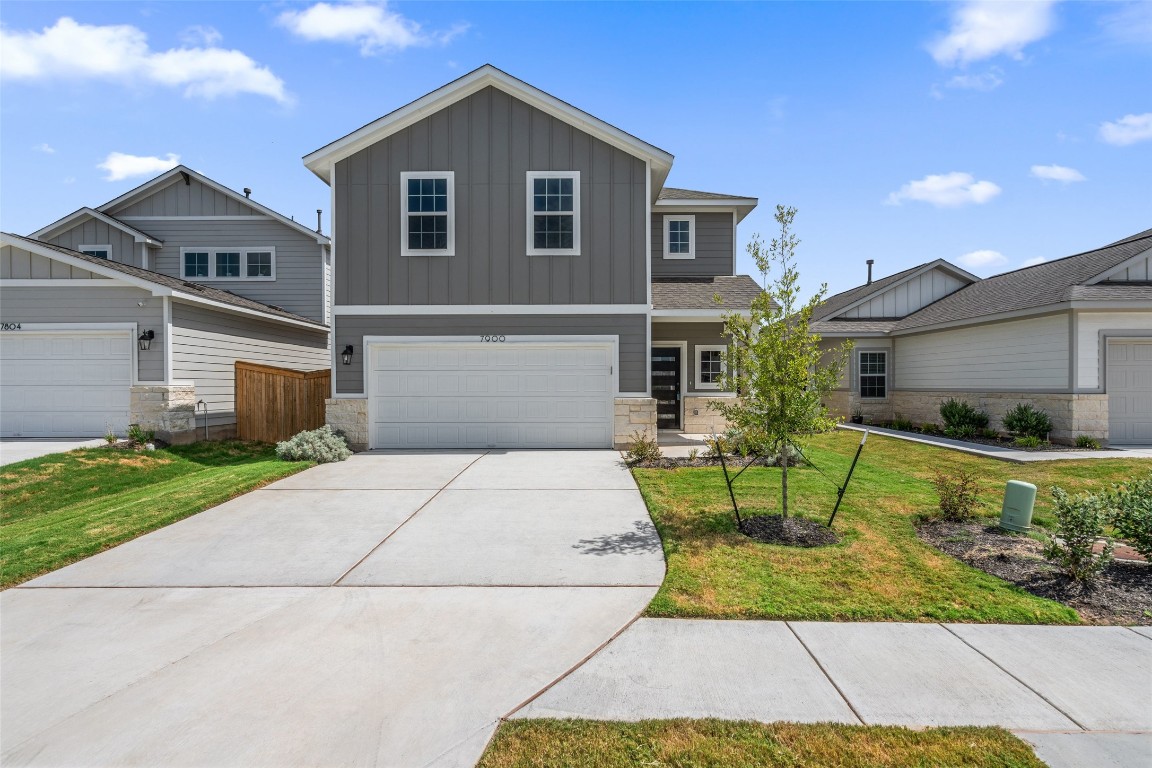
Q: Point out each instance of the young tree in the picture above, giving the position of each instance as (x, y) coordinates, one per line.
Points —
(775, 363)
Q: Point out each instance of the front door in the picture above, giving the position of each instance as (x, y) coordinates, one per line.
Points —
(666, 386)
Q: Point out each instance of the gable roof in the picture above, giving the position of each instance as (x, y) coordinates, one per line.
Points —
(1050, 282)
(842, 302)
(179, 172)
(320, 161)
(144, 278)
(697, 293)
(69, 221)
(670, 197)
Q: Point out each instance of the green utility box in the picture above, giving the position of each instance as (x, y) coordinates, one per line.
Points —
(1019, 499)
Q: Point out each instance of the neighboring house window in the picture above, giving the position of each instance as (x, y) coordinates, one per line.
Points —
(553, 213)
(679, 237)
(428, 213)
(873, 374)
(210, 264)
(709, 366)
(99, 251)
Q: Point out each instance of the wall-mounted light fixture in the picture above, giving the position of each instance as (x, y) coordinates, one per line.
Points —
(145, 339)
(346, 355)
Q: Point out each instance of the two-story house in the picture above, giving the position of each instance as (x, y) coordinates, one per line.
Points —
(137, 311)
(510, 271)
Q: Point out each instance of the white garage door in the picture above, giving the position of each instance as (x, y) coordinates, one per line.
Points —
(64, 384)
(1129, 381)
(491, 395)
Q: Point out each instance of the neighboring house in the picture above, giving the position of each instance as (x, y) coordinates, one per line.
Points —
(511, 271)
(1072, 336)
(213, 276)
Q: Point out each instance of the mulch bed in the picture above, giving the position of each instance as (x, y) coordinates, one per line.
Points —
(1001, 442)
(735, 463)
(791, 531)
(1122, 594)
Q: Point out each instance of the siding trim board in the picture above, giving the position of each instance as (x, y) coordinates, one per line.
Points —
(70, 222)
(489, 309)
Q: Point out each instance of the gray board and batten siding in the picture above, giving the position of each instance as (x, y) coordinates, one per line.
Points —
(182, 199)
(695, 334)
(90, 231)
(632, 331)
(206, 345)
(19, 264)
(75, 304)
(714, 247)
(490, 140)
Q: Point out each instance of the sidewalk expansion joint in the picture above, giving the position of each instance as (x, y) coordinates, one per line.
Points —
(843, 695)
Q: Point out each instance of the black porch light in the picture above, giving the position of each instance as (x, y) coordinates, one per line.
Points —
(346, 355)
(145, 339)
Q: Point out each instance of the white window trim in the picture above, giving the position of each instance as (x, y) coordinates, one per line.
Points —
(530, 218)
(243, 251)
(860, 376)
(723, 367)
(451, 178)
(691, 219)
(101, 247)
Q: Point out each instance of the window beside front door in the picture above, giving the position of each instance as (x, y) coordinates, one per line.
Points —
(553, 213)
(709, 366)
(428, 213)
(873, 376)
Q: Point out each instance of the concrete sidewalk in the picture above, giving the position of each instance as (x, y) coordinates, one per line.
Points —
(1048, 684)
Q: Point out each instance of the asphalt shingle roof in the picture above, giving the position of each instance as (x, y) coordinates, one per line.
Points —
(675, 193)
(736, 291)
(196, 289)
(834, 304)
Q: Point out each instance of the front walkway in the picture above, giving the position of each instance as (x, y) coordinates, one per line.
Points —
(386, 610)
(1048, 684)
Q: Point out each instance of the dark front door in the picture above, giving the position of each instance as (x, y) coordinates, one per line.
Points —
(666, 386)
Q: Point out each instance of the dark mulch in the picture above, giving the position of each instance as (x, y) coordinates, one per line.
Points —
(1000, 442)
(735, 463)
(1122, 594)
(792, 531)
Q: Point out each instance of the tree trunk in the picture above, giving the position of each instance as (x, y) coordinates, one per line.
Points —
(784, 478)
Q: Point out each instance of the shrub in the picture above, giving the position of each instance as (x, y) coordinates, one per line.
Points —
(901, 423)
(1130, 512)
(1080, 523)
(957, 495)
(715, 447)
(989, 434)
(1028, 441)
(138, 436)
(962, 432)
(957, 414)
(693, 453)
(319, 445)
(110, 436)
(1087, 441)
(1028, 420)
(930, 428)
(643, 448)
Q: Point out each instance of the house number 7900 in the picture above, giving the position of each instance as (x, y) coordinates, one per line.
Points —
(491, 338)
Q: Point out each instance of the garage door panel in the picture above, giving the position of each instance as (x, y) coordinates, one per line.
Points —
(1129, 383)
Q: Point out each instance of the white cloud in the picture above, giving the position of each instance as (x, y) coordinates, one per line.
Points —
(46, 148)
(986, 81)
(1127, 130)
(949, 190)
(201, 34)
(120, 53)
(122, 166)
(982, 29)
(370, 25)
(1131, 24)
(1057, 173)
(982, 259)
(1034, 261)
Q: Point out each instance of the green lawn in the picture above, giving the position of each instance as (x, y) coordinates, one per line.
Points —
(724, 744)
(880, 571)
(68, 506)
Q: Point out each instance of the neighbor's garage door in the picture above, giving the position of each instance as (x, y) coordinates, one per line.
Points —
(64, 384)
(491, 395)
(1129, 381)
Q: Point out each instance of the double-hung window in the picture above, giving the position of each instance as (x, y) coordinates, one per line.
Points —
(99, 251)
(709, 366)
(553, 213)
(680, 237)
(207, 264)
(873, 374)
(427, 213)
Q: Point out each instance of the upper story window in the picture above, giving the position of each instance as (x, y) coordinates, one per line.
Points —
(553, 213)
(709, 366)
(99, 251)
(680, 237)
(873, 374)
(208, 264)
(428, 213)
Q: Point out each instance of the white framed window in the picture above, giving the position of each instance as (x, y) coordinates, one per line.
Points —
(709, 365)
(99, 251)
(680, 237)
(872, 380)
(553, 213)
(428, 213)
(206, 264)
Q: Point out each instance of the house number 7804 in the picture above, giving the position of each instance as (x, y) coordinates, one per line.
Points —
(491, 338)
(16, 327)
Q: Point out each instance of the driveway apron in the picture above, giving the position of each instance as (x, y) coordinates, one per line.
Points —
(385, 611)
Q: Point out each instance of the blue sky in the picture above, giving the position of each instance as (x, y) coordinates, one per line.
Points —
(989, 134)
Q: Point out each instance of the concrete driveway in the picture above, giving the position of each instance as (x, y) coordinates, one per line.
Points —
(13, 449)
(387, 610)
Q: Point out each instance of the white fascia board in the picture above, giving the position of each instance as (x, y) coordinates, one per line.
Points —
(489, 309)
(236, 310)
(695, 315)
(64, 283)
(1046, 309)
(1122, 265)
(170, 177)
(69, 221)
(96, 269)
(321, 161)
(939, 263)
(739, 206)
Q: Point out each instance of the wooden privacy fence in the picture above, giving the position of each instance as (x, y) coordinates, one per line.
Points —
(272, 404)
